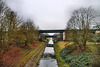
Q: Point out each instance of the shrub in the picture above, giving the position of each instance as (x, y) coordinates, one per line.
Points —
(95, 38)
(77, 60)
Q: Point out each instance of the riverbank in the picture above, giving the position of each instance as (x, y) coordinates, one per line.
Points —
(57, 48)
(66, 56)
(18, 57)
(34, 60)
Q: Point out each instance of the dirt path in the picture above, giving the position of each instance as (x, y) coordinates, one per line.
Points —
(33, 62)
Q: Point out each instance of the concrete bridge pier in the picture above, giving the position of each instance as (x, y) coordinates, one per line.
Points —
(63, 35)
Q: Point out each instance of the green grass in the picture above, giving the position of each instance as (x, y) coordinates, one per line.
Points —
(61, 62)
(26, 57)
(77, 60)
(92, 52)
(92, 48)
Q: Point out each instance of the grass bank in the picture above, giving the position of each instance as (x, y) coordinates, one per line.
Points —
(57, 48)
(17, 56)
(67, 58)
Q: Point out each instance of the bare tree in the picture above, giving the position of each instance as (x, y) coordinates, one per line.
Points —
(8, 25)
(30, 31)
(97, 26)
(2, 23)
(80, 23)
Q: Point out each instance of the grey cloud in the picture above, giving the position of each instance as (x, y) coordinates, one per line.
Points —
(49, 14)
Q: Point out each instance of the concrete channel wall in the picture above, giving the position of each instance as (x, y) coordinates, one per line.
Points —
(34, 60)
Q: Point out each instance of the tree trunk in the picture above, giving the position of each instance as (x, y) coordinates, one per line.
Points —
(84, 45)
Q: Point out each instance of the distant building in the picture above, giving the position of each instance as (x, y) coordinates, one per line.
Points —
(97, 32)
(97, 28)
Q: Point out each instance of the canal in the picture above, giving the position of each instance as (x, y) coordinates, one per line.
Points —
(48, 59)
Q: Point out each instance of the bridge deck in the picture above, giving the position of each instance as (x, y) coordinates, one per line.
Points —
(51, 31)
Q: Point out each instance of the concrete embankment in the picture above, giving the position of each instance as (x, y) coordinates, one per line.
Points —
(34, 60)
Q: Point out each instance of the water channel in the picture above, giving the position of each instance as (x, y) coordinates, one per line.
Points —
(48, 59)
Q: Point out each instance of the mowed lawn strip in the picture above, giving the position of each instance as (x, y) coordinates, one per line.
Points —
(63, 44)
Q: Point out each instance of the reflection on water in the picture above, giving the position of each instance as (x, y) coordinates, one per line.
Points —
(50, 41)
(48, 55)
(48, 59)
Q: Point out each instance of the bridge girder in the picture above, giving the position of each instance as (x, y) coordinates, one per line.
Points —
(50, 36)
(51, 31)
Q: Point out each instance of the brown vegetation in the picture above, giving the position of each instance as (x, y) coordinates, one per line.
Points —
(17, 37)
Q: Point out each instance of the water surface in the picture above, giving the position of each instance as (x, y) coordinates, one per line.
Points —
(48, 58)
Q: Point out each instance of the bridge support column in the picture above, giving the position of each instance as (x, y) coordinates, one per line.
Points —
(63, 35)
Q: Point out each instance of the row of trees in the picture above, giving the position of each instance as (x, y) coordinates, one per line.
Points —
(78, 26)
(14, 30)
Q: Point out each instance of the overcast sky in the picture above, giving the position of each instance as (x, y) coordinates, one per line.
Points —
(50, 14)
